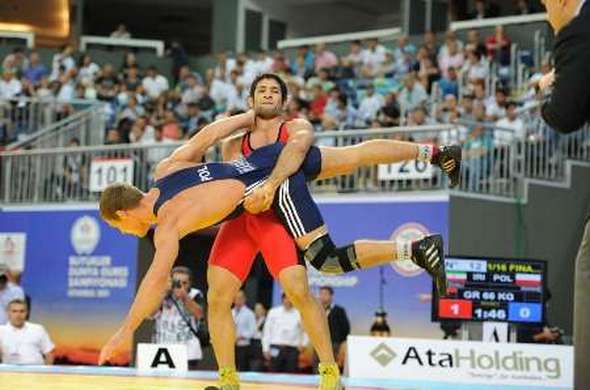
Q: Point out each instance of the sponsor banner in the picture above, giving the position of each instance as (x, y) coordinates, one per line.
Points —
(80, 274)
(12, 251)
(401, 287)
(465, 362)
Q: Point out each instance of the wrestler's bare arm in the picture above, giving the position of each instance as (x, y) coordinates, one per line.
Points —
(152, 288)
(196, 147)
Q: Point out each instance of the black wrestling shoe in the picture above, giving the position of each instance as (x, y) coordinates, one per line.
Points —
(428, 253)
(449, 160)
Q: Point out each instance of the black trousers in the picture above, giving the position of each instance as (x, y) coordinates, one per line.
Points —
(243, 358)
(286, 360)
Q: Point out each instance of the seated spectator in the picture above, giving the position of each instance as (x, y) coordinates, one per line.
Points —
(245, 321)
(194, 116)
(373, 57)
(322, 79)
(480, 95)
(451, 57)
(324, 58)
(121, 32)
(36, 70)
(370, 106)
(280, 63)
(474, 43)
(390, 112)
(129, 61)
(496, 107)
(355, 56)
(343, 116)
(23, 342)
(283, 337)
(412, 95)
(474, 67)
(450, 36)
(178, 318)
(113, 137)
(476, 150)
(447, 108)
(498, 47)
(307, 66)
(466, 107)
(107, 84)
(8, 292)
(170, 127)
(10, 86)
(154, 83)
(449, 84)
(514, 125)
(295, 109)
(428, 73)
(317, 104)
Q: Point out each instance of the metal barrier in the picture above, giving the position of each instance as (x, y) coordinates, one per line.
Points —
(78, 174)
(44, 124)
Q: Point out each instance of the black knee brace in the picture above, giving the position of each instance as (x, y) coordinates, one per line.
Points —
(326, 258)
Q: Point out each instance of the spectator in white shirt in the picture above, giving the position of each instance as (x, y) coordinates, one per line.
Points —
(502, 135)
(245, 321)
(64, 60)
(8, 292)
(474, 66)
(87, 70)
(373, 57)
(451, 57)
(413, 94)
(370, 106)
(283, 337)
(154, 83)
(23, 342)
(496, 107)
(10, 86)
(121, 32)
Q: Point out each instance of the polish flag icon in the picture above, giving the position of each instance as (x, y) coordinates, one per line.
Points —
(528, 280)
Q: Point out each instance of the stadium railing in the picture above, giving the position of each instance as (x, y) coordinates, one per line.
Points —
(78, 174)
(43, 123)
(28, 37)
(157, 45)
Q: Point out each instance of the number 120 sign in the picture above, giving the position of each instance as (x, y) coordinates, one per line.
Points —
(405, 170)
(107, 171)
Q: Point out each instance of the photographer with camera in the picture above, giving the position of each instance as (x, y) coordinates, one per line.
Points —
(179, 319)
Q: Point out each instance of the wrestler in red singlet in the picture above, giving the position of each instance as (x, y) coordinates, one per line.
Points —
(240, 239)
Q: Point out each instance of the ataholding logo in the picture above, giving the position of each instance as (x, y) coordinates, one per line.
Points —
(383, 354)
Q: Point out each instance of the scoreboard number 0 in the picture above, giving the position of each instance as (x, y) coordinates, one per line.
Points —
(524, 312)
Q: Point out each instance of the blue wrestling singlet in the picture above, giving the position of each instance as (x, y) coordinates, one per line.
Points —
(293, 202)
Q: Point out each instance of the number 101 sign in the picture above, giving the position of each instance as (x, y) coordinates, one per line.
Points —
(108, 171)
(405, 170)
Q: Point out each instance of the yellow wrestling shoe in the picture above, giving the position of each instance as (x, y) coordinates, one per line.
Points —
(329, 377)
(228, 379)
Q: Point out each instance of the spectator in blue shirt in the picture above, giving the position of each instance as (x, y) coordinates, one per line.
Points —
(36, 70)
(449, 85)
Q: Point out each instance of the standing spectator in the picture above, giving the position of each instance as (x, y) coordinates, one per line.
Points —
(511, 122)
(476, 150)
(413, 94)
(177, 320)
(23, 342)
(370, 106)
(324, 58)
(36, 70)
(121, 32)
(10, 86)
(179, 59)
(257, 360)
(245, 330)
(8, 292)
(154, 83)
(283, 337)
(337, 321)
(498, 47)
(63, 60)
(523, 8)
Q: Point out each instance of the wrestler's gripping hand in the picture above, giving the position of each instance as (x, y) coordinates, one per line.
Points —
(115, 344)
(260, 199)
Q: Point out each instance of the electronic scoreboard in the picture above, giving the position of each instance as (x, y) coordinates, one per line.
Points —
(492, 289)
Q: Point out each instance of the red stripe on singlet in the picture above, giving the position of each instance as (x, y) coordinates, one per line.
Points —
(282, 137)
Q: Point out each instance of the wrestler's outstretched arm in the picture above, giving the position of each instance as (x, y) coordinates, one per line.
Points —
(151, 291)
(196, 147)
